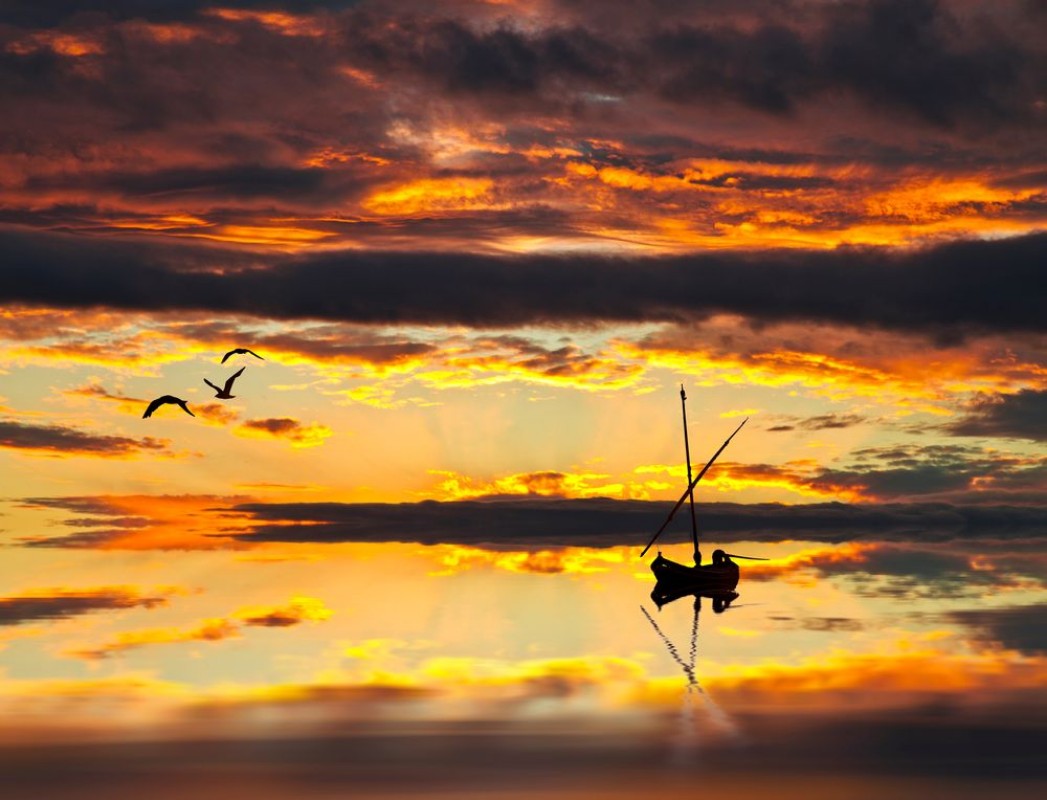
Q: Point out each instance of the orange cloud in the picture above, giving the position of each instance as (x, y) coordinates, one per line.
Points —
(141, 522)
(95, 391)
(299, 610)
(549, 483)
(876, 680)
(571, 560)
(279, 21)
(211, 413)
(210, 630)
(853, 553)
(433, 195)
(837, 364)
(287, 237)
(58, 42)
(750, 204)
(804, 477)
(292, 430)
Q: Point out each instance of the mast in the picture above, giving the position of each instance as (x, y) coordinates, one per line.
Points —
(690, 492)
(690, 488)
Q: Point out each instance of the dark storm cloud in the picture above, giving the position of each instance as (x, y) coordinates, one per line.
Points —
(946, 291)
(912, 56)
(61, 441)
(750, 182)
(58, 604)
(503, 60)
(241, 182)
(54, 12)
(769, 68)
(1013, 416)
(1021, 628)
(915, 57)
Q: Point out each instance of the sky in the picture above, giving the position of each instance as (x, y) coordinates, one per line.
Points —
(478, 246)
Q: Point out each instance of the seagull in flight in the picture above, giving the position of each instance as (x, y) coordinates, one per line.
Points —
(242, 351)
(223, 393)
(167, 398)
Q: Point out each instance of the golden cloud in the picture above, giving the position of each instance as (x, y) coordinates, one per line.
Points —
(292, 430)
(298, 610)
(571, 560)
(210, 630)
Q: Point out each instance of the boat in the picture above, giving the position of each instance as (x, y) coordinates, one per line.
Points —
(676, 580)
(719, 576)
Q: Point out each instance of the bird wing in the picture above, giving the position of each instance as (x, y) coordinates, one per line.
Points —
(252, 352)
(185, 407)
(212, 385)
(230, 353)
(233, 377)
(153, 406)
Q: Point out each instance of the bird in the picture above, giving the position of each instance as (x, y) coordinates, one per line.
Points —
(223, 393)
(167, 398)
(241, 350)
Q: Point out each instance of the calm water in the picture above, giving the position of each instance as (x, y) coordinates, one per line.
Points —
(859, 670)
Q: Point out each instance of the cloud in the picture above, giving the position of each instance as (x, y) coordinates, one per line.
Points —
(1018, 628)
(819, 624)
(821, 422)
(211, 630)
(133, 522)
(908, 570)
(905, 718)
(1011, 416)
(155, 10)
(948, 473)
(909, 57)
(600, 522)
(571, 560)
(868, 680)
(546, 483)
(217, 629)
(63, 603)
(299, 610)
(95, 391)
(192, 522)
(59, 441)
(937, 472)
(287, 428)
(941, 290)
(878, 122)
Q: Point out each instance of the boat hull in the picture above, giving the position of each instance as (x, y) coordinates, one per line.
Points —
(721, 577)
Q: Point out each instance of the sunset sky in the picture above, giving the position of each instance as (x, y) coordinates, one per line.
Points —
(480, 244)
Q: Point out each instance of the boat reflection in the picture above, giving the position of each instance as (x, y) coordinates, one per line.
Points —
(666, 592)
(686, 740)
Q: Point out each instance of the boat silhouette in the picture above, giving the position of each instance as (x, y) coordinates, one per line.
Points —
(674, 579)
